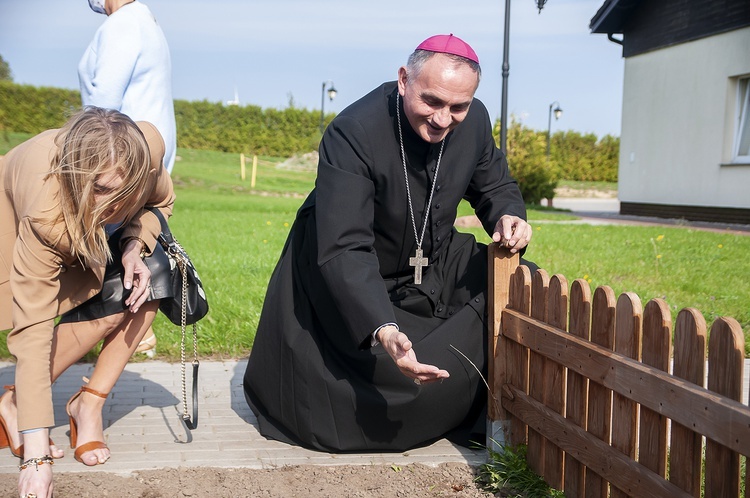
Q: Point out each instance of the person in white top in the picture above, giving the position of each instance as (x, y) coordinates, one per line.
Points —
(127, 67)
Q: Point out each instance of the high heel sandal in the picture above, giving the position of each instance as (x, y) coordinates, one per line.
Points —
(91, 445)
(5, 440)
(147, 345)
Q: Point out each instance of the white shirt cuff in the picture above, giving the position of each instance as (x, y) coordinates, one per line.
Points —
(374, 340)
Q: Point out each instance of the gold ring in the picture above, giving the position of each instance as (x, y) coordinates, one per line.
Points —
(29, 495)
(418, 382)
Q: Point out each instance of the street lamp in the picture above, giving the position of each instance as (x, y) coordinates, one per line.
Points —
(331, 96)
(558, 112)
(506, 72)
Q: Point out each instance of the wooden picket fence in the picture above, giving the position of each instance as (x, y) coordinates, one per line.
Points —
(604, 400)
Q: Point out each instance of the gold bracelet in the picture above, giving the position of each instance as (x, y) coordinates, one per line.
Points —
(36, 462)
(143, 245)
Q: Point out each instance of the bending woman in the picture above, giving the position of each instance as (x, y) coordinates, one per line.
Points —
(74, 230)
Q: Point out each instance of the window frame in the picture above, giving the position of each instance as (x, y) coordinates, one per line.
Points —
(742, 123)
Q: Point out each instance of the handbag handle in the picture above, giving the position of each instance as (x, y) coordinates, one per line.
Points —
(172, 247)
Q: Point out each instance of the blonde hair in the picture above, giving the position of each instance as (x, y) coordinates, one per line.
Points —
(93, 143)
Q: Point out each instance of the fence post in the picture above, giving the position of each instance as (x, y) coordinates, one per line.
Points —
(501, 265)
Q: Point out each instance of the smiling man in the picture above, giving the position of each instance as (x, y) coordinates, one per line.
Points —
(377, 298)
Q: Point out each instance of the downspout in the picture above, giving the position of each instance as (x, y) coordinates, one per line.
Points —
(613, 39)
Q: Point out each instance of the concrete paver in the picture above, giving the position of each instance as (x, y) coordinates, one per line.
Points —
(143, 428)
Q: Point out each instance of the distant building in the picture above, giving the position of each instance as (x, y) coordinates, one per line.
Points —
(236, 100)
(685, 137)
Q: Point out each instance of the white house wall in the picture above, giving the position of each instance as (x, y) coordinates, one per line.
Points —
(677, 121)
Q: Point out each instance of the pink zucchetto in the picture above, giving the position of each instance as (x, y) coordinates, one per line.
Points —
(449, 44)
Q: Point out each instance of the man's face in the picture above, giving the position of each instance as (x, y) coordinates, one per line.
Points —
(438, 98)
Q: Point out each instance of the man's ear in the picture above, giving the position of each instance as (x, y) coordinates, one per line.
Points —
(402, 79)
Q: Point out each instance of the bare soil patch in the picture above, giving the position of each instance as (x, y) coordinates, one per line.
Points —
(372, 481)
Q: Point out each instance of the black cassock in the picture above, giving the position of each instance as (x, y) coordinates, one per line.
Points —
(312, 377)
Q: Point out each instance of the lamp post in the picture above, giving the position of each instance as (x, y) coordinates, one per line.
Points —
(558, 112)
(506, 72)
(331, 96)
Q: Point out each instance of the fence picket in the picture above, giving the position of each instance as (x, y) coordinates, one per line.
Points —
(628, 320)
(577, 389)
(726, 351)
(689, 364)
(656, 351)
(537, 362)
(600, 398)
(554, 375)
(517, 359)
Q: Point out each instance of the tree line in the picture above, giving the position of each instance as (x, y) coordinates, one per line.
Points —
(572, 156)
(292, 131)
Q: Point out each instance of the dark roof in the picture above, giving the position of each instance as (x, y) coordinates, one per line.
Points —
(612, 15)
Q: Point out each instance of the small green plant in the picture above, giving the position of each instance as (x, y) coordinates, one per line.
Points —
(507, 472)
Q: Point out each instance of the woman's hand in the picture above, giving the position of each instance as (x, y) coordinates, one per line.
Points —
(36, 479)
(136, 275)
(398, 345)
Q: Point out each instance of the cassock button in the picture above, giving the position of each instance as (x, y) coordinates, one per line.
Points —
(432, 291)
(438, 238)
(437, 188)
(440, 309)
(437, 223)
(437, 206)
(476, 299)
(450, 312)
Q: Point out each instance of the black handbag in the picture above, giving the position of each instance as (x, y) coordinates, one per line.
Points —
(189, 303)
(186, 307)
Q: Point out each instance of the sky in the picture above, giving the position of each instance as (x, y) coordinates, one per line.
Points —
(274, 53)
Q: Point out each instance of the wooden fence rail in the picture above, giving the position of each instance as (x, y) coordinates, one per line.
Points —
(584, 381)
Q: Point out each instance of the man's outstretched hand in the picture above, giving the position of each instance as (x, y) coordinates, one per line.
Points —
(398, 345)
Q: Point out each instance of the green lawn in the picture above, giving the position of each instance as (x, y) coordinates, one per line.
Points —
(235, 233)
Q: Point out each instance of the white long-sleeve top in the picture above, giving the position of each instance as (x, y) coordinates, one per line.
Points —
(127, 67)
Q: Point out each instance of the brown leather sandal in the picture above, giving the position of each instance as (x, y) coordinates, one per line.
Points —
(5, 440)
(91, 445)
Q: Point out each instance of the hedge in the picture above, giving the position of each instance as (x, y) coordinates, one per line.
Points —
(292, 131)
(200, 125)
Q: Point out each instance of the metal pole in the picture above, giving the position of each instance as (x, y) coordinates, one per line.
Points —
(322, 104)
(549, 128)
(506, 71)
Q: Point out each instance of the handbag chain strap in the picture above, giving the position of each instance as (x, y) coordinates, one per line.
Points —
(182, 265)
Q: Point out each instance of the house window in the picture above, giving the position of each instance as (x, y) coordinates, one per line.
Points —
(742, 138)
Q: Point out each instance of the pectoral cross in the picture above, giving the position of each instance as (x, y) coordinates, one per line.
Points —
(418, 262)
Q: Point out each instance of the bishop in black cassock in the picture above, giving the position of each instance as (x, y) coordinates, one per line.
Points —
(316, 375)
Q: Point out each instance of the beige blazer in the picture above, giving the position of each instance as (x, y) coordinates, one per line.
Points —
(39, 279)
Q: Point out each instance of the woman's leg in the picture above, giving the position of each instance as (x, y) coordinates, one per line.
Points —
(121, 333)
